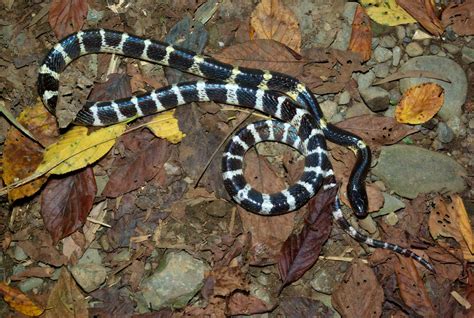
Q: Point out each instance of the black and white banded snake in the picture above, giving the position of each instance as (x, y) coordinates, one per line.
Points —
(300, 123)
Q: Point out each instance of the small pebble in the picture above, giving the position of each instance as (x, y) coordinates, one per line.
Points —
(329, 108)
(471, 123)
(400, 33)
(382, 54)
(396, 55)
(445, 134)
(434, 49)
(365, 79)
(467, 55)
(344, 98)
(388, 41)
(414, 49)
(451, 48)
(381, 70)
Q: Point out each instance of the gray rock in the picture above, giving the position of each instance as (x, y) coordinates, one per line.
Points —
(329, 108)
(395, 95)
(358, 109)
(344, 98)
(467, 55)
(411, 170)
(91, 255)
(381, 70)
(400, 30)
(434, 49)
(457, 126)
(94, 15)
(178, 278)
(451, 48)
(388, 41)
(376, 98)
(326, 279)
(365, 79)
(396, 55)
(454, 93)
(382, 54)
(89, 276)
(390, 205)
(445, 134)
(471, 123)
(414, 49)
(30, 283)
(19, 254)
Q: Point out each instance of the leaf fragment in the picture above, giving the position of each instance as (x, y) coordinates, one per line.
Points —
(361, 37)
(424, 12)
(67, 16)
(19, 301)
(271, 19)
(387, 12)
(165, 125)
(420, 103)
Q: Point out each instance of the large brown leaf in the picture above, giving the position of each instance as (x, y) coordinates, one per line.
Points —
(263, 54)
(460, 16)
(66, 203)
(412, 289)
(376, 131)
(361, 37)
(359, 294)
(67, 16)
(424, 12)
(139, 165)
(301, 251)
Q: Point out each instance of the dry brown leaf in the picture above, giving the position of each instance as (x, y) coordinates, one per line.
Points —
(263, 54)
(412, 289)
(361, 37)
(423, 11)
(67, 16)
(271, 19)
(19, 301)
(460, 16)
(420, 103)
(450, 219)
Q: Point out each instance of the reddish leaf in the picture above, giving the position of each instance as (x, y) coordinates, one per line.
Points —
(301, 251)
(424, 12)
(460, 16)
(67, 16)
(361, 37)
(412, 289)
(376, 130)
(296, 307)
(66, 202)
(140, 165)
(117, 86)
(359, 294)
(240, 304)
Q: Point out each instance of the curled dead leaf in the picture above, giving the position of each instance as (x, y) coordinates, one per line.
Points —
(361, 37)
(420, 103)
(271, 19)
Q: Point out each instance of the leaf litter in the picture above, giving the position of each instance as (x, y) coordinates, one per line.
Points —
(141, 195)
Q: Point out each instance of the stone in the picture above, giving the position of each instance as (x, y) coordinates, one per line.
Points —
(388, 41)
(451, 48)
(467, 55)
(454, 93)
(382, 54)
(434, 49)
(376, 98)
(177, 279)
(91, 255)
(391, 219)
(396, 55)
(445, 134)
(364, 80)
(329, 108)
(400, 31)
(30, 284)
(411, 170)
(390, 205)
(19, 254)
(344, 98)
(381, 70)
(89, 276)
(414, 49)
(358, 109)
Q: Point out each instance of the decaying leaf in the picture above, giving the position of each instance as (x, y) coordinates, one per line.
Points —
(424, 12)
(241, 304)
(387, 12)
(67, 16)
(359, 294)
(21, 155)
(263, 54)
(450, 219)
(420, 103)
(76, 149)
(361, 37)
(165, 125)
(301, 251)
(19, 301)
(66, 202)
(377, 131)
(66, 299)
(271, 19)
(460, 16)
(412, 289)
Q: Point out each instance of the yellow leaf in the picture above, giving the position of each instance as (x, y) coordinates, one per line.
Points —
(386, 12)
(165, 125)
(76, 149)
(420, 103)
(19, 301)
(272, 20)
(464, 224)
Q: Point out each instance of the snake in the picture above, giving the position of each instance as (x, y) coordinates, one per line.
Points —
(297, 119)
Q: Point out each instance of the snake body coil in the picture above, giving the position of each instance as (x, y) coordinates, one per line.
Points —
(300, 121)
